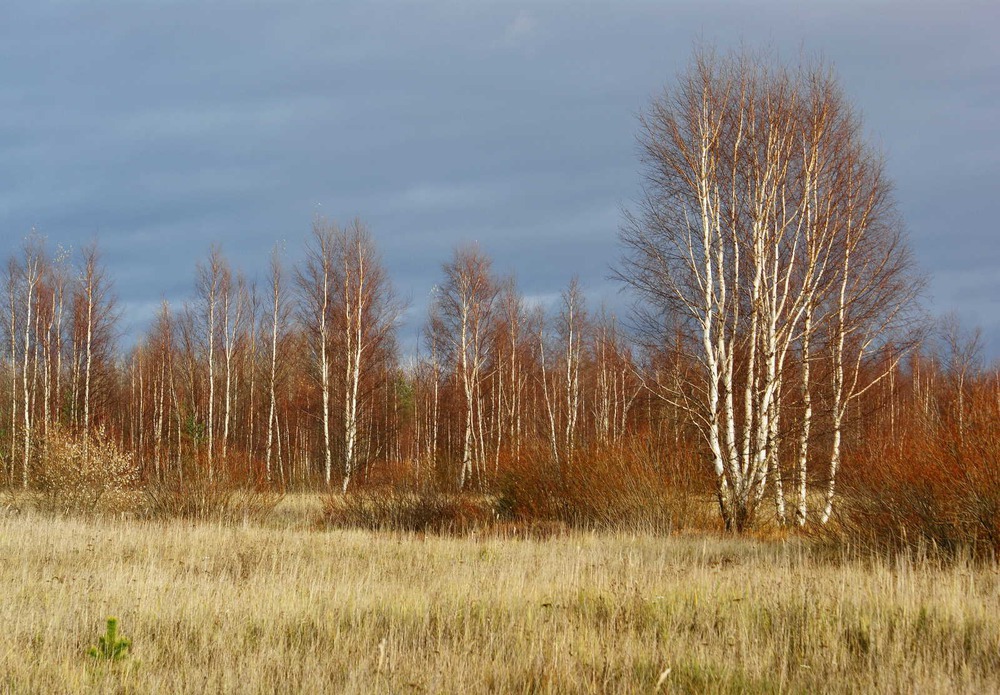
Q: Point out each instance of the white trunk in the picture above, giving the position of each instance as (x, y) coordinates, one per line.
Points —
(26, 378)
(59, 345)
(325, 376)
(553, 436)
(273, 374)
(467, 442)
(211, 378)
(839, 399)
(801, 509)
(354, 294)
(227, 350)
(89, 356)
(13, 375)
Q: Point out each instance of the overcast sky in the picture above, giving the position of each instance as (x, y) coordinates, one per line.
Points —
(161, 127)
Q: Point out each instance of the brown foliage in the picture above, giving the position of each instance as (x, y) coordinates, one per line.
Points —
(230, 495)
(936, 484)
(630, 487)
(422, 511)
(626, 488)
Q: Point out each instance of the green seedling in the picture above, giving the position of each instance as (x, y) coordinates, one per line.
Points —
(110, 647)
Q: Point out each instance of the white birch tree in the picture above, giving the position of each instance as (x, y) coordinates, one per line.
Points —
(753, 208)
(316, 282)
(464, 307)
(368, 311)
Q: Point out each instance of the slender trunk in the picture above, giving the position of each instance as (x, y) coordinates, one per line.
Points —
(469, 402)
(803, 460)
(354, 296)
(47, 372)
(13, 380)
(159, 407)
(553, 438)
(211, 377)
(89, 361)
(227, 349)
(325, 371)
(838, 387)
(272, 396)
(30, 287)
(59, 347)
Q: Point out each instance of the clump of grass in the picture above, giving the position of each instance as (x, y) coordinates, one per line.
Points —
(422, 511)
(229, 495)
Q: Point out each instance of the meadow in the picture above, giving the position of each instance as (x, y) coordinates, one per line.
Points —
(284, 605)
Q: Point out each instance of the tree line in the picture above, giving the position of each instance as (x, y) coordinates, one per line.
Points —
(300, 379)
(776, 323)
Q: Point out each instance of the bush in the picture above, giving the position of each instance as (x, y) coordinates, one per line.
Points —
(229, 496)
(936, 487)
(631, 488)
(422, 511)
(607, 489)
(86, 474)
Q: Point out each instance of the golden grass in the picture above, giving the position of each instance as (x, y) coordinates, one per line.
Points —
(286, 608)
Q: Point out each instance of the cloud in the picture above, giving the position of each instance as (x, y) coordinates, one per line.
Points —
(545, 301)
(446, 196)
(520, 30)
(163, 128)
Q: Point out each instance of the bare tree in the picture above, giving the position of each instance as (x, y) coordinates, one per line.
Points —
(511, 340)
(161, 341)
(367, 311)
(28, 275)
(236, 314)
(278, 319)
(211, 279)
(12, 278)
(761, 200)
(560, 374)
(463, 308)
(316, 282)
(434, 337)
(571, 327)
(98, 316)
(615, 385)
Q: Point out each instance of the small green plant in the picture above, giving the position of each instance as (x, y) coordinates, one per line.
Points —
(109, 646)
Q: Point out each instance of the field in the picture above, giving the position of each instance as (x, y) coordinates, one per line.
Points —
(284, 607)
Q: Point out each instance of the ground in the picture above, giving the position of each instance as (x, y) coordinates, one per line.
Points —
(287, 607)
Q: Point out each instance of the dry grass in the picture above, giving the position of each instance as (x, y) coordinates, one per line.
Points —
(214, 608)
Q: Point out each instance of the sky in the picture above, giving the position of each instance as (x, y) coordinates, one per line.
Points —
(160, 127)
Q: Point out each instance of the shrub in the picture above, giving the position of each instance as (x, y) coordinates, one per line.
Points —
(85, 474)
(629, 488)
(230, 495)
(935, 487)
(421, 511)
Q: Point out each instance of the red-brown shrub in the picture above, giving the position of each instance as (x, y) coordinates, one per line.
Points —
(628, 487)
(935, 486)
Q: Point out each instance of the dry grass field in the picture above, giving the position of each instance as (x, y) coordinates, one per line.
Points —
(283, 607)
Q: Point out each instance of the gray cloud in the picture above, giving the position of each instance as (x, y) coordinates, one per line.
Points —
(161, 127)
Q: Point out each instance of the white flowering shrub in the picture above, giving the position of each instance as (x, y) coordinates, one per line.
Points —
(85, 475)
